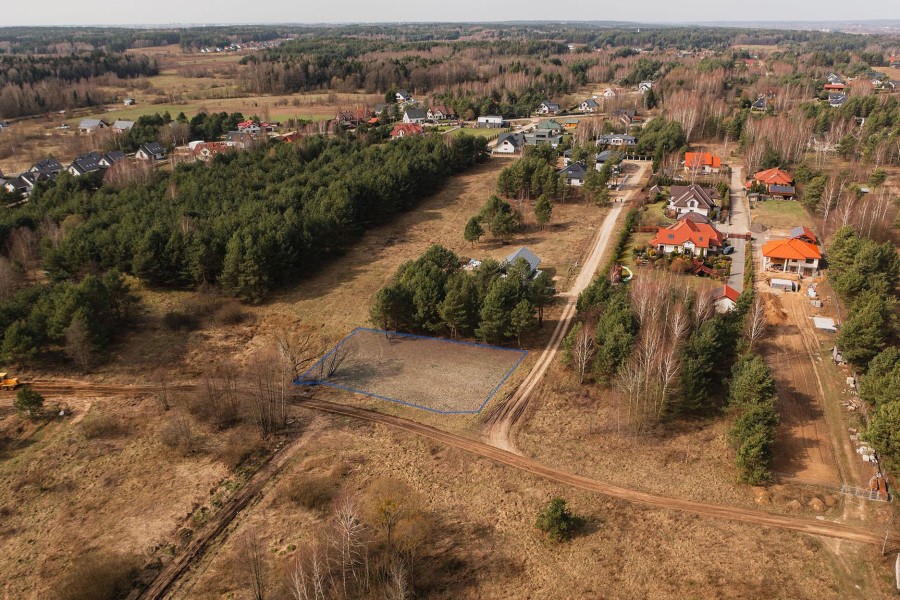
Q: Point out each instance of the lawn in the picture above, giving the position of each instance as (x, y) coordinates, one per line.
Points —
(780, 214)
(654, 214)
(483, 132)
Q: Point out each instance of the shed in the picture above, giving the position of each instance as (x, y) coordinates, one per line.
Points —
(783, 284)
(523, 252)
(825, 324)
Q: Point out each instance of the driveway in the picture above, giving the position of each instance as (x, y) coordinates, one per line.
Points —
(739, 222)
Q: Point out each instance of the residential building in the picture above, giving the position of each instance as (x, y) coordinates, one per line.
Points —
(588, 106)
(570, 123)
(609, 93)
(529, 256)
(402, 130)
(688, 237)
(510, 143)
(403, 96)
(48, 166)
(573, 174)
(112, 157)
(122, 126)
(415, 115)
(760, 104)
(206, 150)
(543, 136)
(150, 151)
(24, 183)
(616, 139)
(251, 127)
(702, 162)
(606, 155)
(239, 139)
(128, 101)
(92, 125)
(726, 298)
(836, 100)
(490, 122)
(628, 117)
(793, 255)
(547, 108)
(550, 125)
(441, 112)
(691, 198)
(645, 86)
(86, 163)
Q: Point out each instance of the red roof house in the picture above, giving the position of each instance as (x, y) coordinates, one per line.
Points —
(688, 236)
(726, 298)
(402, 130)
(703, 161)
(774, 176)
(794, 255)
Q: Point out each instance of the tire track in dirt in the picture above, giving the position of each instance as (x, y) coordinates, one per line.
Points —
(525, 464)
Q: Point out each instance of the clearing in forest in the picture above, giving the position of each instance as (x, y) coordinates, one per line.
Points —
(443, 376)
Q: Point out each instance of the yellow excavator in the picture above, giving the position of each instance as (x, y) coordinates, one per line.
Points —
(7, 382)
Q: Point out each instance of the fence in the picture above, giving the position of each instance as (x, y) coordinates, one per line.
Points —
(874, 495)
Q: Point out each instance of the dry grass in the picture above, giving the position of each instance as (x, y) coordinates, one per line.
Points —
(780, 215)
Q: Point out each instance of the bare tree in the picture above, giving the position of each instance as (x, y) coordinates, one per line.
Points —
(10, 279)
(79, 345)
(398, 585)
(756, 322)
(306, 579)
(582, 351)
(298, 347)
(347, 539)
(268, 392)
(253, 557)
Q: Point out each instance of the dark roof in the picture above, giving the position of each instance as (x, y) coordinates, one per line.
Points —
(416, 113)
(591, 103)
(695, 217)
(607, 154)
(516, 139)
(153, 148)
(523, 252)
(608, 138)
(782, 190)
(114, 156)
(574, 171)
(86, 163)
(48, 165)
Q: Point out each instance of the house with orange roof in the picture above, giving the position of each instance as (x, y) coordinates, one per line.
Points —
(688, 236)
(703, 162)
(726, 298)
(776, 182)
(402, 130)
(798, 254)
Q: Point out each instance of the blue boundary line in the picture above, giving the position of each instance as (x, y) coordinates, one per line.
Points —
(318, 363)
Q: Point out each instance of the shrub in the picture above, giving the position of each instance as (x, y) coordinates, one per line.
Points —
(28, 402)
(557, 521)
(101, 426)
(178, 434)
(310, 492)
(177, 320)
(231, 314)
(99, 577)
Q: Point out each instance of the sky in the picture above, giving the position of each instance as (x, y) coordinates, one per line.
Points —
(162, 12)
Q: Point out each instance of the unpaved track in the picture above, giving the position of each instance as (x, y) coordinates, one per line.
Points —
(522, 463)
(503, 418)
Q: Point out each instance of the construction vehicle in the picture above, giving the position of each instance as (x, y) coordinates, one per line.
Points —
(7, 382)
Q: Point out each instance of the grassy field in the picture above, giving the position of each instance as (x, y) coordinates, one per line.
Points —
(779, 214)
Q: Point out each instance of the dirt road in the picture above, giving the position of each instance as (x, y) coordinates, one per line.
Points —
(500, 422)
(743, 515)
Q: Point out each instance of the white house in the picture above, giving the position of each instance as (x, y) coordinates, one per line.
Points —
(645, 86)
(588, 106)
(403, 96)
(151, 151)
(691, 198)
(510, 143)
(547, 108)
(92, 125)
(609, 93)
(415, 115)
(574, 174)
(490, 122)
(122, 126)
(726, 298)
(616, 139)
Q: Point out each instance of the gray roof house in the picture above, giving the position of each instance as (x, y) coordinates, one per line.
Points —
(589, 105)
(543, 136)
(574, 174)
(48, 166)
(836, 100)
(122, 126)
(616, 139)
(415, 115)
(86, 163)
(510, 143)
(92, 125)
(547, 108)
(151, 151)
(550, 125)
(112, 157)
(523, 252)
(403, 96)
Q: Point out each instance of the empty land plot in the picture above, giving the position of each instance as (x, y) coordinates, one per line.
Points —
(431, 373)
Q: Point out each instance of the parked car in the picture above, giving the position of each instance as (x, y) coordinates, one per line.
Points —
(63, 126)
(728, 250)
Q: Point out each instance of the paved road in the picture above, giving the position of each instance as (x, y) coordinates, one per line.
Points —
(740, 223)
(500, 422)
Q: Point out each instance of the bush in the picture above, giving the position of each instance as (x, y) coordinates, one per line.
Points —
(99, 577)
(310, 492)
(28, 402)
(101, 426)
(177, 320)
(178, 434)
(557, 521)
(231, 314)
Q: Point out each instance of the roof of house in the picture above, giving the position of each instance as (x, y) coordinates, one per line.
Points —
(47, 165)
(609, 138)
(760, 103)
(153, 148)
(123, 125)
(695, 217)
(702, 159)
(515, 139)
(792, 249)
(91, 123)
(782, 190)
(607, 154)
(523, 252)
(404, 94)
(550, 125)
(774, 176)
(574, 171)
(702, 235)
(726, 291)
(682, 195)
(550, 105)
(114, 156)
(87, 163)
(490, 118)
(802, 231)
(415, 113)
(404, 129)
(590, 103)
(440, 108)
